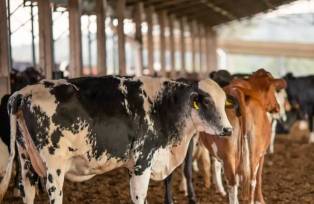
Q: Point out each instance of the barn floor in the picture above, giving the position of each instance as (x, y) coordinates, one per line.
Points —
(288, 178)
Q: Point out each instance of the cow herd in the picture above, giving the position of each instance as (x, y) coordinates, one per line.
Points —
(75, 129)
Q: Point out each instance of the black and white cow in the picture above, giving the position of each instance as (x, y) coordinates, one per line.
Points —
(18, 79)
(4, 134)
(300, 91)
(82, 127)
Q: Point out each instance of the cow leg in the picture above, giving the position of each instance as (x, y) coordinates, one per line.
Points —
(232, 181)
(139, 185)
(29, 178)
(311, 125)
(168, 190)
(205, 160)
(183, 182)
(17, 179)
(56, 169)
(195, 166)
(273, 134)
(254, 170)
(188, 173)
(258, 192)
(218, 177)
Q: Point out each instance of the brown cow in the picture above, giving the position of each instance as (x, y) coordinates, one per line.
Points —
(242, 154)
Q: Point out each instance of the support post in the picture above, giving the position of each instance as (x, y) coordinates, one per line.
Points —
(182, 42)
(75, 39)
(162, 24)
(150, 40)
(200, 51)
(212, 50)
(193, 49)
(207, 58)
(33, 35)
(172, 46)
(138, 11)
(4, 51)
(101, 6)
(46, 61)
(121, 37)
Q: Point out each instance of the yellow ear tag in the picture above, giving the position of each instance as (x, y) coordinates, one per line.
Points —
(228, 103)
(195, 105)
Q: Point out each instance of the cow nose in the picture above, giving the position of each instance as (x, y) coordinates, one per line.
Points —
(226, 131)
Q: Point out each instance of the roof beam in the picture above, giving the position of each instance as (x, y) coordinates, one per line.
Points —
(268, 48)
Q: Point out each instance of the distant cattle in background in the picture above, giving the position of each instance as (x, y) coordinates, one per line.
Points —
(221, 77)
(280, 117)
(300, 91)
(21, 79)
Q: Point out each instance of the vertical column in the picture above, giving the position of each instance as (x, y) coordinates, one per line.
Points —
(212, 46)
(121, 37)
(172, 45)
(138, 11)
(101, 6)
(45, 38)
(193, 49)
(75, 38)
(200, 50)
(150, 40)
(162, 24)
(182, 47)
(206, 38)
(4, 51)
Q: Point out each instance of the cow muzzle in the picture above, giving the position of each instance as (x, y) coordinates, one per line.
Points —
(226, 131)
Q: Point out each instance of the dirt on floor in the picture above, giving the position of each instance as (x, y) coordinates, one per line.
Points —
(288, 178)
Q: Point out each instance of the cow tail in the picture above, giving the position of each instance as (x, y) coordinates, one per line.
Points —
(12, 107)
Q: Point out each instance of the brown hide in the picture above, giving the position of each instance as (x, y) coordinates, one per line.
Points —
(256, 97)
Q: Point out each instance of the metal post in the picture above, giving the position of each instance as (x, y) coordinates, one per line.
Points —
(150, 40)
(101, 6)
(33, 36)
(162, 24)
(75, 38)
(121, 37)
(172, 45)
(182, 42)
(89, 45)
(4, 51)
(45, 38)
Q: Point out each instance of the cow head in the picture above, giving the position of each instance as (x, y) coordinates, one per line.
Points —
(208, 109)
(262, 86)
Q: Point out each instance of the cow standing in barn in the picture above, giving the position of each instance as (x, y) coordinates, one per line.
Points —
(74, 129)
(242, 154)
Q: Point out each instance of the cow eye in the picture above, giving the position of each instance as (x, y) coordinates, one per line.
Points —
(206, 101)
(229, 103)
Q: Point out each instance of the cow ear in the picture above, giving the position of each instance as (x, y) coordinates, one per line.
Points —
(194, 100)
(279, 84)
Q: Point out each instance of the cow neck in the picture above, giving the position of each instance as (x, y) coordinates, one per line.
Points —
(255, 95)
